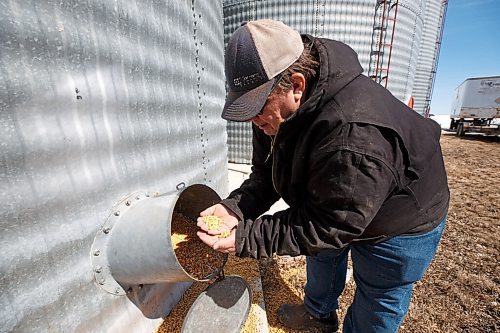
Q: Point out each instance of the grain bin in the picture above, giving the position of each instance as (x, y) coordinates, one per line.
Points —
(98, 101)
(385, 34)
(428, 55)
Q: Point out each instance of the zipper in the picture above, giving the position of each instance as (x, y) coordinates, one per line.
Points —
(270, 149)
(273, 142)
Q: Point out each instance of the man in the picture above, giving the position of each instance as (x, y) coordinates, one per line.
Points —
(360, 171)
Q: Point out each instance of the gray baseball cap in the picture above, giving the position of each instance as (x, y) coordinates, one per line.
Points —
(256, 53)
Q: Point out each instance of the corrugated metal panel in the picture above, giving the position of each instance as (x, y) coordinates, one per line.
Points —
(408, 32)
(430, 45)
(239, 135)
(239, 141)
(98, 100)
(350, 22)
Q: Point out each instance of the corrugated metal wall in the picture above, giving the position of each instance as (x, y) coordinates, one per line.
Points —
(350, 22)
(239, 135)
(435, 12)
(98, 99)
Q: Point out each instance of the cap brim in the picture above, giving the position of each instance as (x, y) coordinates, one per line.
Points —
(243, 106)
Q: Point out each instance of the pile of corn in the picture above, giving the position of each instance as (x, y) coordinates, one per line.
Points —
(283, 280)
(248, 269)
(196, 258)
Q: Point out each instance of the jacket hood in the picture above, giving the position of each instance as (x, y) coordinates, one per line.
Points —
(338, 66)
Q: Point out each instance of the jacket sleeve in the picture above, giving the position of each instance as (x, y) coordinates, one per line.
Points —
(256, 194)
(344, 193)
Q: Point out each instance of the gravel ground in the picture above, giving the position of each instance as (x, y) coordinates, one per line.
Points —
(460, 291)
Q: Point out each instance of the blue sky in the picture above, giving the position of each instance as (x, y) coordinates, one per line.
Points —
(470, 48)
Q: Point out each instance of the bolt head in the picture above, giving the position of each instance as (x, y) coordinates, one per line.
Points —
(97, 253)
(117, 213)
(106, 230)
(98, 269)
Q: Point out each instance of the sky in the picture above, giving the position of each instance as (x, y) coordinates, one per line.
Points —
(470, 48)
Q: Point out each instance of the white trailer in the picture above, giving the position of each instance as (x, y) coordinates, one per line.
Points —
(476, 106)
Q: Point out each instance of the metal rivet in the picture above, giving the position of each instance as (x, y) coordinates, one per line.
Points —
(137, 197)
(127, 203)
(147, 194)
(97, 252)
(98, 269)
(117, 213)
(106, 230)
(129, 290)
(117, 290)
(140, 286)
(101, 281)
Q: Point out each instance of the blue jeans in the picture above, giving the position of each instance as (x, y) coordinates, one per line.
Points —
(384, 274)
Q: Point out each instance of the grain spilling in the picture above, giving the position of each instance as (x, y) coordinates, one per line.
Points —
(244, 267)
(196, 258)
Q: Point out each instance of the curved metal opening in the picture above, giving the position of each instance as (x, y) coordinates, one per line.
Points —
(134, 246)
(190, 203)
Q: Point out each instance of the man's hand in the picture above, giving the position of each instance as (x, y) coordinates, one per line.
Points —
(221, 239)
(225, 245)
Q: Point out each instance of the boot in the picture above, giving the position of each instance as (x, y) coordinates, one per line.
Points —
(296, 316)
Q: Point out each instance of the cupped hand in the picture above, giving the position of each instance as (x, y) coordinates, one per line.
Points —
(230, 219)
(213, 238)
(225, 245)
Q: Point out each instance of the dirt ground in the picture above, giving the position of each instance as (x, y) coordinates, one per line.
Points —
(460, 291)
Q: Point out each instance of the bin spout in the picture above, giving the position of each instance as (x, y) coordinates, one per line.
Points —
(134, 246)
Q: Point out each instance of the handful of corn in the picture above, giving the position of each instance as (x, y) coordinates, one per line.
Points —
(214, 223)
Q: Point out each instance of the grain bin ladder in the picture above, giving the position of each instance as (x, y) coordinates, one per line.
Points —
(388, 13)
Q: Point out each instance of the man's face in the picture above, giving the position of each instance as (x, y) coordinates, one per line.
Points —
(279, 106)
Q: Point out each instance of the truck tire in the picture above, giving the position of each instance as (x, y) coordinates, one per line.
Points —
(460, 130)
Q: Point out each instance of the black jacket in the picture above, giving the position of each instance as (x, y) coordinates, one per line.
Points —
(353, 163)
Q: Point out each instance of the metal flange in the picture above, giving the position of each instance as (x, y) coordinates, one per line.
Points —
(98, 253)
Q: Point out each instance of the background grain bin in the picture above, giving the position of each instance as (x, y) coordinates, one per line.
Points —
(428, 56)
(385, 34)
(98, 100)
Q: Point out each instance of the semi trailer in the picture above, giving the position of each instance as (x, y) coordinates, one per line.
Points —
(476, 106)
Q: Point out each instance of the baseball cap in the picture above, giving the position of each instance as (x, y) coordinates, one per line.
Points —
(256, 53)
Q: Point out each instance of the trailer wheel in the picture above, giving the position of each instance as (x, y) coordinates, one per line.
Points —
(460, 129)
(452, 124)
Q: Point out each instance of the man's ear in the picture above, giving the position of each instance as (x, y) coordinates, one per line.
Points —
(299, 85)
